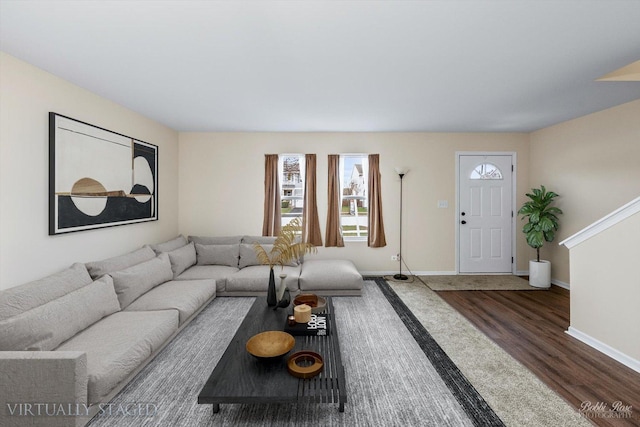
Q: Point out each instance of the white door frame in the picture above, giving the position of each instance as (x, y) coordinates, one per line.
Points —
(514, 159)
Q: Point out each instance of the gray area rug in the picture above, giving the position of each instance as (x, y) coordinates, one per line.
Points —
(390, 381)
(477, 283)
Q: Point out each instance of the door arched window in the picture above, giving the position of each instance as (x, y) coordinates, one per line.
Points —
(486, 171)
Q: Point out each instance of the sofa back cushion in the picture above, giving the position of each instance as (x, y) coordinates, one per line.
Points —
(47, 326)
(218, 254)
(169, 245)
(138, 279)
(182, 258)
(19, 299)
(218, 240)
(267, 242)
(109, 265)
(263, 240)
(248, 256)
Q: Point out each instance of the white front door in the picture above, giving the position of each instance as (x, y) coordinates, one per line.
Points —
(485, 213)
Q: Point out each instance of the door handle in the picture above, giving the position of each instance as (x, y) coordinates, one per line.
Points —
(463, 222)
(463, 214)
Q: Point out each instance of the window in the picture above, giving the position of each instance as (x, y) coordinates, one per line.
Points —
(486, 171)
(291, 174)
(354, 182)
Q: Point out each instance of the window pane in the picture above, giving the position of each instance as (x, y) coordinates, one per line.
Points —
(354, 172)
(291, 167)
(486, 171)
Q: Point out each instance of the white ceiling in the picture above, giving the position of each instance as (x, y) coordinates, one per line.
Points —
(449, 66)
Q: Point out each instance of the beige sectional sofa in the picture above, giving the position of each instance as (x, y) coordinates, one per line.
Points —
(74, 339)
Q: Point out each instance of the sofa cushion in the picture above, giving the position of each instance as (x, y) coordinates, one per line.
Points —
(270, 240)
(217, 240)
(45, 327)
(109, 265)
(249, 257)
(219, 273)
(169, 245)
(186, 296)
(256, 279)
(334, 274)
(118, 344)
(263, 240)
(17, 300)
(134, 281)
(218, 254)
(182, 258)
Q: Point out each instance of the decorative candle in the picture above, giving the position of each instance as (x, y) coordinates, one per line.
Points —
(302, 313)
(291, 320)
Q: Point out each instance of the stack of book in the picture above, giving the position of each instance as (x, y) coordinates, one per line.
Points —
(318, 325)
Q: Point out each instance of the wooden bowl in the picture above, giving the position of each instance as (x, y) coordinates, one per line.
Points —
(309, 299)
(317, 304)
(270, 344)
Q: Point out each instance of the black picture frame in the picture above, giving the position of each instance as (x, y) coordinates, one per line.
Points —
(98, 178)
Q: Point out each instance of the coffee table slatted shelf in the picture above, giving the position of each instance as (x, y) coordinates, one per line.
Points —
(241, 378)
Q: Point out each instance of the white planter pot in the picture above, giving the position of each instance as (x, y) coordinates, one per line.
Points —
(540, 273)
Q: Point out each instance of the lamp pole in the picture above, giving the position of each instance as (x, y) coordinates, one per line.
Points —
(400, 276)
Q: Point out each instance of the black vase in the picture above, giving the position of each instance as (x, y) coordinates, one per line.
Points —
(271, 290)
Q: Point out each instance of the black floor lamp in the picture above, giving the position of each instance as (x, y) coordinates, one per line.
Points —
(401, 173)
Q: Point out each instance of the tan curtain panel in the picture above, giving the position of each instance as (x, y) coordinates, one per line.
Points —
(376, 224)
(310, 221)
(333, 233)
(271, 222)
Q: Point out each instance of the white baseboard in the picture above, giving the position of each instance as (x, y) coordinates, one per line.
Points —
(561, 284)
(604, 348)
(553, 281)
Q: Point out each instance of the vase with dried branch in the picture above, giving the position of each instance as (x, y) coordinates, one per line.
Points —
(286, 248)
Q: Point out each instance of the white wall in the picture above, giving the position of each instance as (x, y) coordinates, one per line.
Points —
(27, 252)
(593, 162)
(605, 288)
(222, 187)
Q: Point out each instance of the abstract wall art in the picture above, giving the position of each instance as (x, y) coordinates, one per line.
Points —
(98, 178)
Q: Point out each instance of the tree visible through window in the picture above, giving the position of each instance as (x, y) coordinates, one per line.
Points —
(354, 179)
(291, 171)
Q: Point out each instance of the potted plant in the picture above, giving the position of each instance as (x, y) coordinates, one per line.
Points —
(541, 227)
(286, 248)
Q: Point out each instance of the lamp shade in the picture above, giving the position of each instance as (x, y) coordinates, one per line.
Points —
(402, 170)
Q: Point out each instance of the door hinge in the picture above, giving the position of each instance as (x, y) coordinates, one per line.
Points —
(511, 168)
(511, 260)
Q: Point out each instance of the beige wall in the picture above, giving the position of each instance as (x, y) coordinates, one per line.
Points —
(593, 162)
(605, 287)
(222, 179)
(27, 252)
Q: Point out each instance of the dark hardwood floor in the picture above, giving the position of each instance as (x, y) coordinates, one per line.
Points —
(530, 326)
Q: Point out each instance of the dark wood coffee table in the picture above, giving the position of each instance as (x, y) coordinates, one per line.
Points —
(239, 377)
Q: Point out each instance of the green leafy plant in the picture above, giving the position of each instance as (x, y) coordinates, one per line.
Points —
(543, 218)
(286, 247)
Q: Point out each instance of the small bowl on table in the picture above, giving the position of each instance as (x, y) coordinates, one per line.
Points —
(317, 303)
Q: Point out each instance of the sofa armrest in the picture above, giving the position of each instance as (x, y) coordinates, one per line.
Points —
(31, 379)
